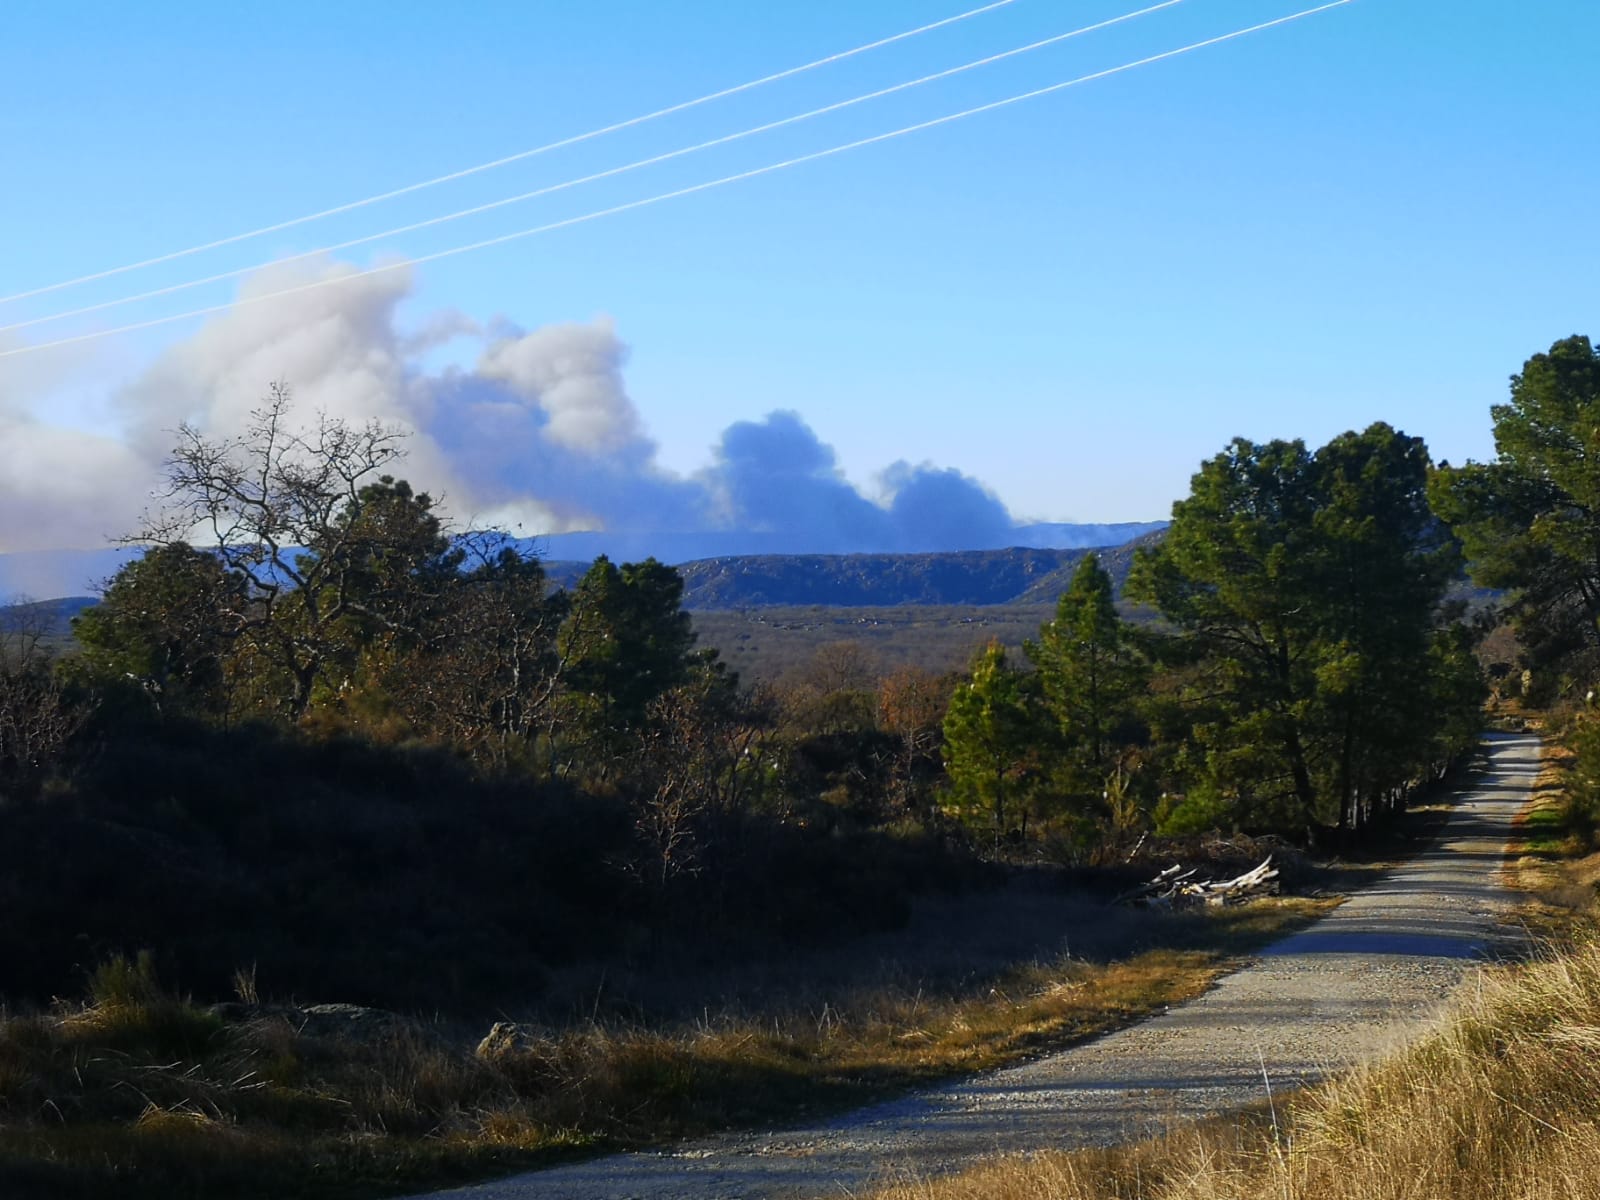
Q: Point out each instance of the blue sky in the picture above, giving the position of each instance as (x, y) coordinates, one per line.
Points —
(1375, 213)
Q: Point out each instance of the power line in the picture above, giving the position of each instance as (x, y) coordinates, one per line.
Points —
(654, 160)
(686, 191)
(511, 158)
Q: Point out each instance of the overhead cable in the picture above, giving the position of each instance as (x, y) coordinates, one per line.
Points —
(478, 209)
(511, 158)
(501, 240)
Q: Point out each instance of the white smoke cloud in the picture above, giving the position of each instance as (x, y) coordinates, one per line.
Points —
(573, 373)
(59, 486)
(65, 488)
(337, 347)
(539, 433)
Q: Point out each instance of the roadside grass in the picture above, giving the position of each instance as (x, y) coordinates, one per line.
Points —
(1500, 1102)
(1497, 1104)
(1551, 859)
(137, 1092)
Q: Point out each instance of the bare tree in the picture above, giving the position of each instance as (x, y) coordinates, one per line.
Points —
(486, 674)
(311, 524)
(912, 702)
(832, 691)
(36, 720)
(700, 763)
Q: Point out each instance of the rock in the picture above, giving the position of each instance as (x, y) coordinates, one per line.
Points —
(506, 1039)
(350, 1022)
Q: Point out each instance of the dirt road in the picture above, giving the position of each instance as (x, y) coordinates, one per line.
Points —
(1352, 985)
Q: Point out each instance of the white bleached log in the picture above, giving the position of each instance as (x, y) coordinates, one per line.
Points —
(1176, 887)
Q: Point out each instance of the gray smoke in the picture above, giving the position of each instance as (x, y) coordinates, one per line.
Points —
(776, 476)
(538, 433)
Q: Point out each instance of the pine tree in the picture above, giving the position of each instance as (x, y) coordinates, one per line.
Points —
(990, 735)
(1530, 519)
(1090, 674)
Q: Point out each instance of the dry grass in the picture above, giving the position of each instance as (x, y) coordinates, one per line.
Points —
(1550, 859)
(1502, 1102)
(138, 1093)
(1499, 1104)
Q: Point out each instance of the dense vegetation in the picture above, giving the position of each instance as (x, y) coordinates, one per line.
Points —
(773, 643)
(1306, 673)
(338, 743)
(1530, 519)
(1530, 523)
(339, 740)
(315, 745)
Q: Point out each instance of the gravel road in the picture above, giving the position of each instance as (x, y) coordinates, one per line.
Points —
(1365, 977)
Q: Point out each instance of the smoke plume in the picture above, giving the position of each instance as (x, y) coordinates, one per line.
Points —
(536, 431)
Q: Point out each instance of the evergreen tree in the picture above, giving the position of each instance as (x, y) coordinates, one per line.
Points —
(625, 641)
(1530, 519)
(1090, 674)
(166, 624)
(1306, 587)
(1384, 563)
(990, 739)
(1236, 575)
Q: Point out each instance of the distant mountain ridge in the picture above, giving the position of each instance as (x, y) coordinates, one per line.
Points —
(680, 548)
(47, 574)
(1019, 575)
(862, 580)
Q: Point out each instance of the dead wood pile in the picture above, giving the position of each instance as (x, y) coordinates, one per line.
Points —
(1179, 887)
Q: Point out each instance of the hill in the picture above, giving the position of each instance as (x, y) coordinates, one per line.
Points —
(680, 548)
(50, 621)
(1117, 560)
(42, 574)
(870, 580)
(1020, 575)
(977, 578)
(39, 574)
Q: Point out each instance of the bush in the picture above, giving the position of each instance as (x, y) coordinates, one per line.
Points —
(1581, 812)
(1198, 811)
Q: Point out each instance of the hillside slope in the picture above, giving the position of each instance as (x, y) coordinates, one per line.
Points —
(858, 580)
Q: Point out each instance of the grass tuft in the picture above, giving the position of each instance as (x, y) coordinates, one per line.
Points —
(139, 1093)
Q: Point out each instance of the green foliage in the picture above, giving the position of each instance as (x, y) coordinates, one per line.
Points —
(990, 743)
(1197, 811)
(1091, 677)
(121, 982)
(1580, 814)
(625, 641)
(166, 624)
(1304, 589)
(132, 1013)
(1235, 575)
(1530, 519)
(1384, 571)
(1456, 694)
(482, 671)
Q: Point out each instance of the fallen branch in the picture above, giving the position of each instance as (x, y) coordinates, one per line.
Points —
(1176, 887)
